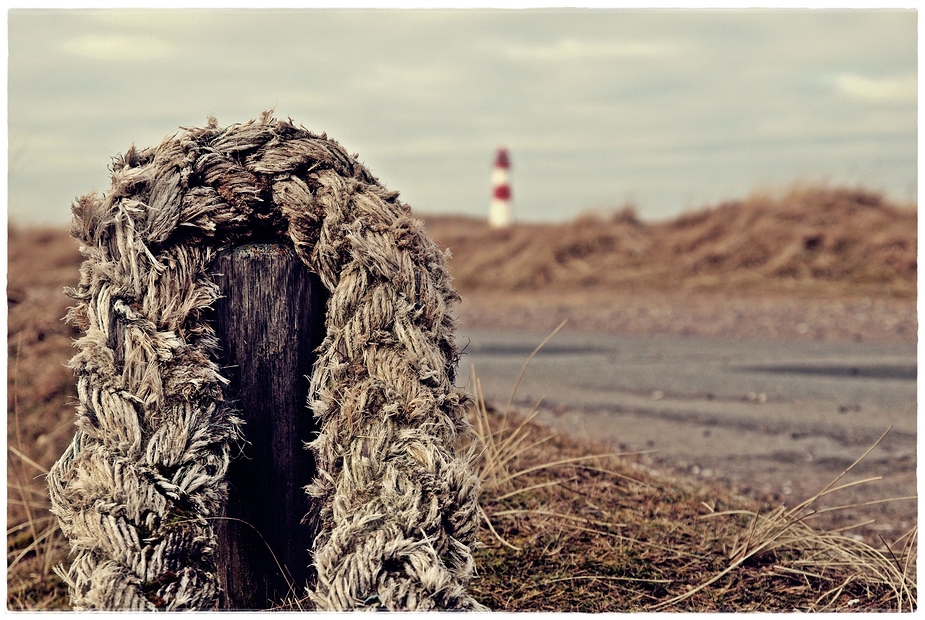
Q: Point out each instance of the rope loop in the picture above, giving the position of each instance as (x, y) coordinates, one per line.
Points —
(136, 490)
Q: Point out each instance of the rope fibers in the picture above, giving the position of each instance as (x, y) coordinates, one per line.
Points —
(138, 489)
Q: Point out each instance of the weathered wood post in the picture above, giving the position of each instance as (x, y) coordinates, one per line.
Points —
(269, 320)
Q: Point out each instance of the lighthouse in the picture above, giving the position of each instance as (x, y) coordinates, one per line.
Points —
(500, 214)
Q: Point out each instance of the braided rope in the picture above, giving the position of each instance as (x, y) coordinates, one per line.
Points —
(138, 488)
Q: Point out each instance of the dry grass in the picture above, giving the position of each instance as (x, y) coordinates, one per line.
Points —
(35, 545)
(806, 240)
(562, 530)
(40, 397)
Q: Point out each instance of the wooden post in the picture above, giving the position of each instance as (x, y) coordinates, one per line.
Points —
(269, 320)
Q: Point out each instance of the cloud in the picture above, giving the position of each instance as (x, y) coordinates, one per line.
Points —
(902, 89)
(675, 101)
(118, 47)
(179, 19)
(391, 76)
(573, 49)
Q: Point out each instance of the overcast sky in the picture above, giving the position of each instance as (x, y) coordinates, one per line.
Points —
(671, 110)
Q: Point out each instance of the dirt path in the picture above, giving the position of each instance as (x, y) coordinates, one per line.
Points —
(733, 390)
(763, 317)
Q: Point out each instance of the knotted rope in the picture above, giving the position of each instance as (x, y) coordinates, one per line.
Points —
(138, 489)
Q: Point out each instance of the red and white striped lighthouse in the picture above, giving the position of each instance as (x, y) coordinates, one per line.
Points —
(500, 214)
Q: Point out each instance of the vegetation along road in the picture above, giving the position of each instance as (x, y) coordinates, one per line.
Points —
(776, 419)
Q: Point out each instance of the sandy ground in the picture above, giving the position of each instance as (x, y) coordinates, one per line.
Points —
(764, 317)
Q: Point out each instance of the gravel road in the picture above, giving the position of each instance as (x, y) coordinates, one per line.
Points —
(753, 317)
(776, 411)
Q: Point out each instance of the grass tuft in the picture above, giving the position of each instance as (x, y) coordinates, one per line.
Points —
(568, 531)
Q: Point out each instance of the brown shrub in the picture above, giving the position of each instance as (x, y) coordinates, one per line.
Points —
(824, 239)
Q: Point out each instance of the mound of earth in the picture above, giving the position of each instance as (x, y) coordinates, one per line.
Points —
(828, 241)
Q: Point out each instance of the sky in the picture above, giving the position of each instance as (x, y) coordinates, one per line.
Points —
(668, 110)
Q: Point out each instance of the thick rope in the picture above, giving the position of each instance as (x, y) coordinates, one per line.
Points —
(139, 487)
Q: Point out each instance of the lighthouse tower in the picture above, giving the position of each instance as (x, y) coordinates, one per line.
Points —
(500, 214)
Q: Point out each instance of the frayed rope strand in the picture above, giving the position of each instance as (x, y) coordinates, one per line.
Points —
(137, 490)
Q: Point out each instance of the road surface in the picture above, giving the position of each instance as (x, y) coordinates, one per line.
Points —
(774, 419)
